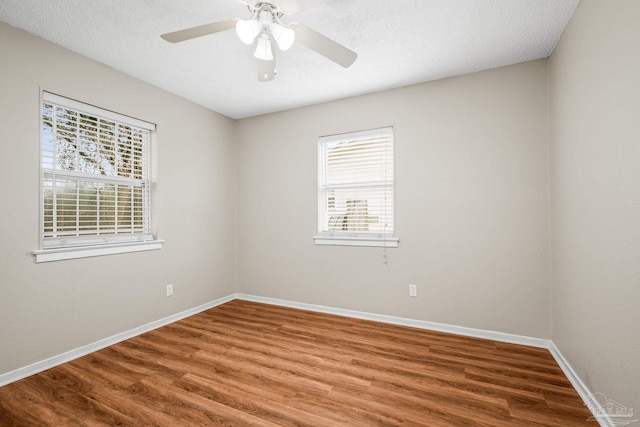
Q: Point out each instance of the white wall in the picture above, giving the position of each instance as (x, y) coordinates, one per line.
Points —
(471, 204)
(595, 197)
(47, 309)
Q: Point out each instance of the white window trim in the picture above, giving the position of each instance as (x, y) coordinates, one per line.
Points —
(390, 242)
(59, 254)
(364, 239)
(93, 248)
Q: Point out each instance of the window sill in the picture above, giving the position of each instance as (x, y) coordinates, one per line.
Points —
(59, 254)
(389, 242)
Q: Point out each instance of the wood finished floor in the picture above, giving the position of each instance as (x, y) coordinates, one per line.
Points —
(250, 364)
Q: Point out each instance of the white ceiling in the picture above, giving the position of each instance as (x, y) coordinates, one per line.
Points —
(399, 42)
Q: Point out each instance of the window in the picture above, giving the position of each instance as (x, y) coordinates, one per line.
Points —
(95, 181)
(355, 189)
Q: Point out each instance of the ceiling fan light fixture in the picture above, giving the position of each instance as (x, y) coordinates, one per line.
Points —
(263, 48)
(247, 30)
(283, 36)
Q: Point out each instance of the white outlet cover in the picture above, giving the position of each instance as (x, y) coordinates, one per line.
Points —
(413, 291)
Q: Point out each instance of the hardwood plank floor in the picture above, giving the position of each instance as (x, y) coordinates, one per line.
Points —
(250, 364)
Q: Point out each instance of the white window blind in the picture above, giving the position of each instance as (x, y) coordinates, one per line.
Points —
(355, 191)
(95, 175)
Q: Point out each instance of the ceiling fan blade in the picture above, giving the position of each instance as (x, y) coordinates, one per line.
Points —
(325, 46)
(289, 7)
(199, 31)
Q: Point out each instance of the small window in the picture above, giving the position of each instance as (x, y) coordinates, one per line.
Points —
(95, 180)
(355, 189)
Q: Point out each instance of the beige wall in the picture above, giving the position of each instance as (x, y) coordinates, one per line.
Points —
(471, 204)
(595, 197)
(47, 309)
(472, 198)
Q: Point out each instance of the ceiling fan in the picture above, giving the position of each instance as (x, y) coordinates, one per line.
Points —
(266, 27)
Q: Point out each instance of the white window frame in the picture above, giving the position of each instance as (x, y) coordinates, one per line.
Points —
(54, 247)
(326, 236)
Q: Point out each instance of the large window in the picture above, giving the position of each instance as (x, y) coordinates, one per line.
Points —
(95, 180)
(355, 189)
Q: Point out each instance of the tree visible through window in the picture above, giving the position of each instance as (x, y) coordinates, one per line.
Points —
(355, 185)
(95, 175)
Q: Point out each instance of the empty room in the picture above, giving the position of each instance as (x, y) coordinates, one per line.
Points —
(320, 212)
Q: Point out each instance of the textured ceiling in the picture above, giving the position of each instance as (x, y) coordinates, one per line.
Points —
(399, 43)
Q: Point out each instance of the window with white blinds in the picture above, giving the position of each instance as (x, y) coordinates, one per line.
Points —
(355, 188)
(95, 176)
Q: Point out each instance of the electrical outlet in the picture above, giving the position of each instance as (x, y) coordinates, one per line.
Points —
(169, 290)
(413, 291)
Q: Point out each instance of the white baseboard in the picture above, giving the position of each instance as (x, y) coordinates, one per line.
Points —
(421, 324)
(581, 388)
(51, 362)
(577, 383)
